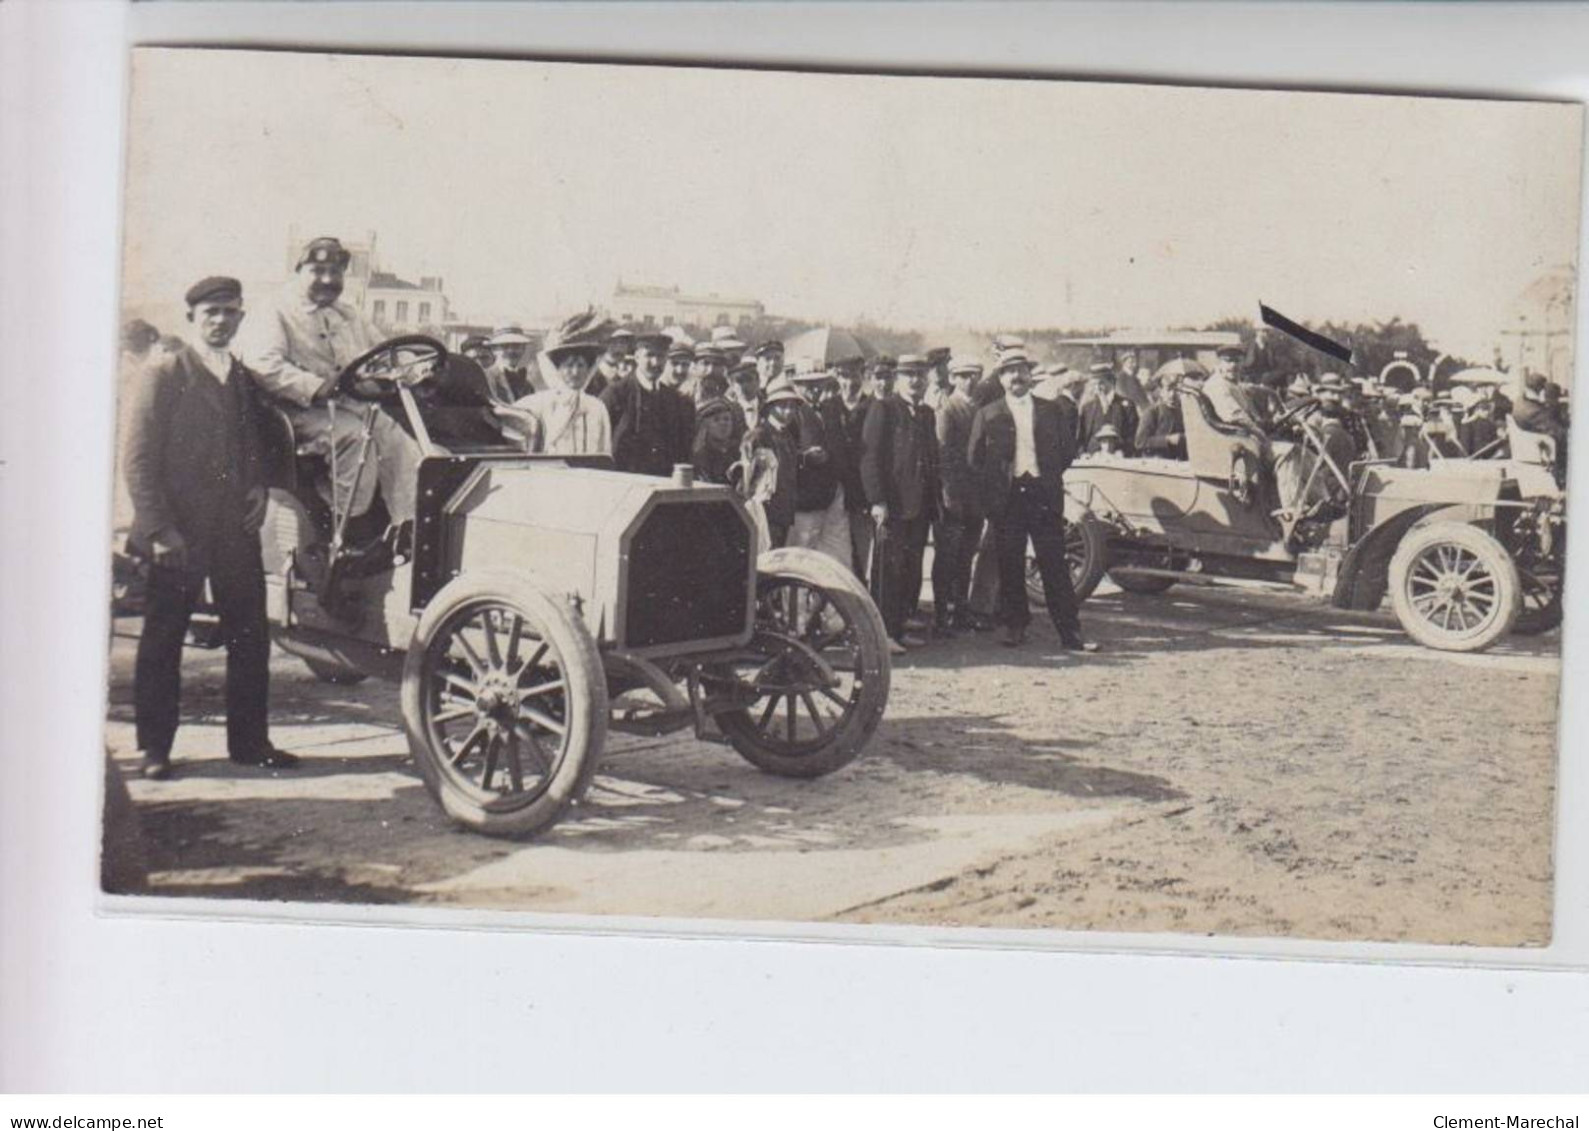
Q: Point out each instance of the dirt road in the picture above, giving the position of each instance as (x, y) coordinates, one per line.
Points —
(1234, 762)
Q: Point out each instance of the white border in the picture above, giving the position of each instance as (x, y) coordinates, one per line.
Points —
(103, 1002)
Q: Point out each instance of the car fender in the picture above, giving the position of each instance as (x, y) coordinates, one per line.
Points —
(1364, 571)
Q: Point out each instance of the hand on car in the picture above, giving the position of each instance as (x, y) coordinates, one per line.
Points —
(168, 549)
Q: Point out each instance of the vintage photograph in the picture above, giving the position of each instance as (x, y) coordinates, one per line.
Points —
(735, 495)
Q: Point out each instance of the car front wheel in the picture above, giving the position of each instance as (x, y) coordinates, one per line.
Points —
(1454, 587)
(505, 704)
(814, 679)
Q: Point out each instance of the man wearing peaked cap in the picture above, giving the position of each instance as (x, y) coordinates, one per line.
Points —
(296, 349)
(679, 356)
(653, 424)
(478, 350)
(195, 475)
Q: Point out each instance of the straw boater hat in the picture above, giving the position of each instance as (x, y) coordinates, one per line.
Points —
(960, 365)
(509, 336)
(779, 389)
(1010, 357)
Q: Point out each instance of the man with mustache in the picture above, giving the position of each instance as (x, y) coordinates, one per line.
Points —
(295, 351)
(1019, 449)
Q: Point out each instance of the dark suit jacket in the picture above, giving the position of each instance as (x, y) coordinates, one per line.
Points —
(853, 423)
(991, 452)
(899, 459)
(1121, 413)
(954, 436)
(651, 430)
(192, 452)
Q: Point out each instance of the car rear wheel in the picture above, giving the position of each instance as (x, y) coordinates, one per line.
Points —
(1454, 587)
(816, 674)
(505, 704)
(1086, 549)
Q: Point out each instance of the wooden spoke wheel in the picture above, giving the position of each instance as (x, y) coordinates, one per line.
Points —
(505, 704)
(1085, 548)
(816, 674)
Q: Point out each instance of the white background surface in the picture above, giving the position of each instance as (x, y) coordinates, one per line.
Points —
(89, 1002)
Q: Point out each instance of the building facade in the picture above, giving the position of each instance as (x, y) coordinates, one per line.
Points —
(1539, 328)
(656, 307)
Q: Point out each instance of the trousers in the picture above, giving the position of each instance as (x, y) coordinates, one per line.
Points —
(827, 530)
(954, 545)
(237, 582)
(394, 453)
(896, 584)
(1028, 516)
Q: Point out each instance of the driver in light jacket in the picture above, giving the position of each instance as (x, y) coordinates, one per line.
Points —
(296, 348)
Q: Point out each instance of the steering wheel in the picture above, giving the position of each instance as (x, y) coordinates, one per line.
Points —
(1296, 409)
(376, 375)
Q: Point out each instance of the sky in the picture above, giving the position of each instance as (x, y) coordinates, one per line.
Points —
(917, 202)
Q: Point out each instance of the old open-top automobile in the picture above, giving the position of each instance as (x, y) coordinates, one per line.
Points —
(1464, 554)
(552, 599)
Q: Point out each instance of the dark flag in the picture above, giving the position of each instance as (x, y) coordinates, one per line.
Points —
(1278, 321)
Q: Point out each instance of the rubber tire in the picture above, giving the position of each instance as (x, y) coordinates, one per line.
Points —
(876, 668)
(1093, 570)
(1495, 558)
(329, 671)
(586, 695)
(1129, 582)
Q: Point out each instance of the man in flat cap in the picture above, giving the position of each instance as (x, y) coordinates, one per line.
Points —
(1226, 395)
(194, 472)
(1019, 450)
(959, 528)
(478, 350)
(680, 355)
(296, 349)
(653, 426)
(509, 373)
(899, 469)
(616, 360)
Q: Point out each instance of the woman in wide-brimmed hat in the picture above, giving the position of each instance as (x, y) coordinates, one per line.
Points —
(572, 422)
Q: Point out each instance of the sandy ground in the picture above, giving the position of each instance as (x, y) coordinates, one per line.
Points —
(1234, 762)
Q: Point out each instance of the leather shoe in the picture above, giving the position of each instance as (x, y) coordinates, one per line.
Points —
(1077, 644)
(1014, 636)
(155, 769)
(269, 757)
